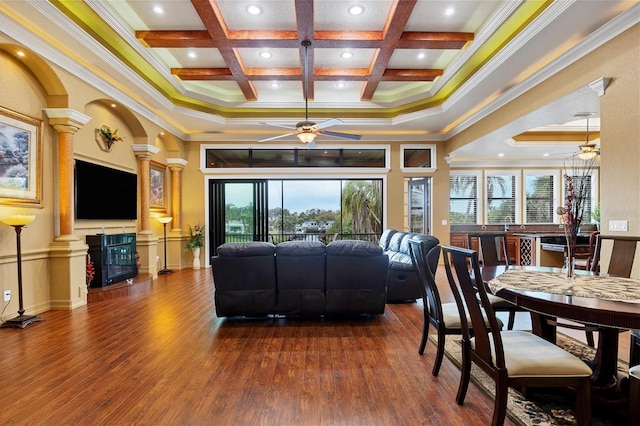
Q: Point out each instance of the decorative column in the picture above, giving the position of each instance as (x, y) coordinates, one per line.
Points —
(67, 252)
(66, 122)
(176, 165)
(147, 244)
(144, 153)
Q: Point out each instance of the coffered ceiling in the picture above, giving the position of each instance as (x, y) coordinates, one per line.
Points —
(404, 70)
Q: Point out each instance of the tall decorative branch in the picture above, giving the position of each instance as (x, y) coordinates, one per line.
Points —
(577, 181)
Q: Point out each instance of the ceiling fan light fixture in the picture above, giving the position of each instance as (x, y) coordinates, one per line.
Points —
(306, 136)
(588, 155)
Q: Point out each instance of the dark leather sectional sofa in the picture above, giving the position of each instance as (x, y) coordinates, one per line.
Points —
(402, 282)
(299, 278)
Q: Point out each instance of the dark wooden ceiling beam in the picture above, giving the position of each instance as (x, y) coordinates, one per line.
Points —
(289, 39)
(393, 30)
(305, 26)
(228, 42)
(212, 19)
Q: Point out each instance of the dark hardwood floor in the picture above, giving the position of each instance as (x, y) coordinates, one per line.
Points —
(162, 357)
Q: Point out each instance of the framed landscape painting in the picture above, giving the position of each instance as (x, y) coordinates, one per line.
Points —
(156, 181)
(20, 158)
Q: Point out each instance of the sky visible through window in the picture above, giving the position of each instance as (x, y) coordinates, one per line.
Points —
(299, 195)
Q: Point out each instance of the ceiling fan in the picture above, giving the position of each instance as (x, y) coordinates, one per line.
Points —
(587, 150)
(306, 131)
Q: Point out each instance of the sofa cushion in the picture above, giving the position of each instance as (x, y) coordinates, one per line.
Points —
(385, 238)
(251, 248)
(356, 278)
(244, 277)
(300, 271)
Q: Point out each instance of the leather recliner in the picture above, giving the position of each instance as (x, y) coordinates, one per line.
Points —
(299, 278)
(402, 282)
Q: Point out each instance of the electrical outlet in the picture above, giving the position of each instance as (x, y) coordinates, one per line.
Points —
(7, 295)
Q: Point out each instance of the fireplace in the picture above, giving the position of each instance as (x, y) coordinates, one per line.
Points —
(113, 256)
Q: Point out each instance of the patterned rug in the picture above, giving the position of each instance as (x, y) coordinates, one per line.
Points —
(542, 407)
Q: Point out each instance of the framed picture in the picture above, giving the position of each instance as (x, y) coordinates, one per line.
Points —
(20, 158)
(156, 181)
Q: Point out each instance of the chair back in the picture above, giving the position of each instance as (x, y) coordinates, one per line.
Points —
(492, 247)
(422, 261)
(469, 290)
(622, 254)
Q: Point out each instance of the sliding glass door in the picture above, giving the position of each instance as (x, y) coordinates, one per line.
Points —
(294, 209)
(238, 212)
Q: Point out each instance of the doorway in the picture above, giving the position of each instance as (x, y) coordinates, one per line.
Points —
(419, 205)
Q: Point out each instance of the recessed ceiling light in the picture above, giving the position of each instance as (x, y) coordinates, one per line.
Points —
(274, 84)
(20, 53)
(193, 55)
(254, 10)
(158, 9)
(113, 105)
(341, 85)
(501, 155)
(546, 154)
(421, 55)
(265, 54)
(450, 11)
(356, 9)
(346, 55)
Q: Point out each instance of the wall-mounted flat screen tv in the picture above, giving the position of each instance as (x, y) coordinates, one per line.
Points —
(104, 193)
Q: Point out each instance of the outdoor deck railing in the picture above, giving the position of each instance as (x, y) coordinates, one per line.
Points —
(325, 238)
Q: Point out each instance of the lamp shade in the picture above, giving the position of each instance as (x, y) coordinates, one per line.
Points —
(165, 219)
(18, 219)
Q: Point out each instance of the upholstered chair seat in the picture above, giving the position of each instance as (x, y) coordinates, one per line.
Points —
(527, 355)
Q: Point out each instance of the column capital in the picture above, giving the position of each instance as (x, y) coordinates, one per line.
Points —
(66, 120)
(143, 151)
(176, 164)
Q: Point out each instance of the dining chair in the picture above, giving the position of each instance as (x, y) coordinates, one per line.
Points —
(492, 248)
(512, 358)
(623, 252)
(443, 316)
(634, 396)
(583, 260)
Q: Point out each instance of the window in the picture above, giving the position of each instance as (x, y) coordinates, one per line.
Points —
(539, 195)
(420, 158)
(463, 198)
(267, 157)
(501, 198)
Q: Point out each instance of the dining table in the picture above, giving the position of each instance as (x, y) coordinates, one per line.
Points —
(608, 302)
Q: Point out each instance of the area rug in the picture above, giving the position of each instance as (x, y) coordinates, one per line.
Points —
(542, 407)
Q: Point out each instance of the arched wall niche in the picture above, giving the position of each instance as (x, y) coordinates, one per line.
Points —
(56, 93)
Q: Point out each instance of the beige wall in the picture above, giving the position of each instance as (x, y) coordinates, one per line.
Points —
(620, 121)
(20, 90)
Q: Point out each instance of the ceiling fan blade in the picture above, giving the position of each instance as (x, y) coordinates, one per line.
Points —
(340, 135)
(282, 126)
(276, 137)
(328, 123)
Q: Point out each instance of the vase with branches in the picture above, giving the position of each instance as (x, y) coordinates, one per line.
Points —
(577, 184)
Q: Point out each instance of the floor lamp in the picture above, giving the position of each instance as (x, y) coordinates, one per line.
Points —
(164, 220)
(22, 320)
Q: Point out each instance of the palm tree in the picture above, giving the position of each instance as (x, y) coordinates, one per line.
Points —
(465, 187)
(361, 206)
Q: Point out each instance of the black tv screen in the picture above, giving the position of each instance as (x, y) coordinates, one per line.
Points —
(104, 193)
